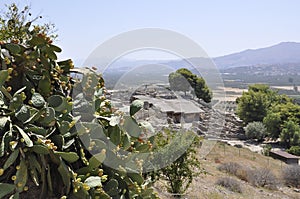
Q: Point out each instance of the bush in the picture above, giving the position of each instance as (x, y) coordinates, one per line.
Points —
(230, 184)
(257, 177)
(230, 167)
(239, 146)
(291, 175)
(255, 130)
(243, 173)
(266, 149)
(295, 150)
(263, 178)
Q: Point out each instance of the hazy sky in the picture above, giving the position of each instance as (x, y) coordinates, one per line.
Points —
(219, 27)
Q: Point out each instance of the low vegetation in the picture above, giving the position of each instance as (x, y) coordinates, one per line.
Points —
(230, 184)
(291, 175)
(230, 167)
(266, 149)
(255, 130)
(261, 177)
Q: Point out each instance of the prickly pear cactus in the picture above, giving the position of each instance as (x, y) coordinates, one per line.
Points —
(59, 134)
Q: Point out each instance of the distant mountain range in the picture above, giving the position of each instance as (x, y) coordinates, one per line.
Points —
(282, 53)
(271, 65)
(285, 53)
(279, 55)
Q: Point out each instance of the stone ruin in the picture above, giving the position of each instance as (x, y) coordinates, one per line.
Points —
(163, 108)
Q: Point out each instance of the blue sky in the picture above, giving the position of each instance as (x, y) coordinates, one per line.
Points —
(219, 27)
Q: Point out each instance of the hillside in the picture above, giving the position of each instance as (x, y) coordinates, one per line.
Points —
(282, 53)
(204, 186)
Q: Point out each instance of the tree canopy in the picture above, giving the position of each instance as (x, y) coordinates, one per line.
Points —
(290, 134)
(184, 80)
(178, 82)
(280, 115)
(253, 105)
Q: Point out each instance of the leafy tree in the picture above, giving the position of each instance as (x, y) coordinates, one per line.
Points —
(260, 88)
(201, 90)
(178, 82)
(273, 124)
(187, 74)
(180, 173)
(290, 134)
(255, 130)
(278, 114)
(295, 150)
(254, 104)
(183, 79)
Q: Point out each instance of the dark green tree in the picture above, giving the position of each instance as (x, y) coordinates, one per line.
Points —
(290, 134)
(201, 90)
(187, 74)
(254, 104)
(184, 80)
(178, 82)
(278, 114)
(272, 122)
(295, 150)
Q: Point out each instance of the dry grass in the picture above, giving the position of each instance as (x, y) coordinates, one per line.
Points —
(204, 186)
(230, 184)
(291, 175)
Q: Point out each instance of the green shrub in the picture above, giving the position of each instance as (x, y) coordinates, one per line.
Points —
(255, 130)
(295, 150)
(230, 184)
(266, 149)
